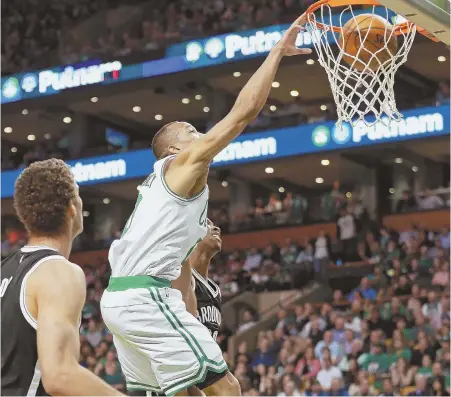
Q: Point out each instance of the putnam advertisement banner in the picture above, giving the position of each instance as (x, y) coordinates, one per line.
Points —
(210, 51)
(272, 144)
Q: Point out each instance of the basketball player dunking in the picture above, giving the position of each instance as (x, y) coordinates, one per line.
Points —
(42, 293)
(161, 346)
(201, 294)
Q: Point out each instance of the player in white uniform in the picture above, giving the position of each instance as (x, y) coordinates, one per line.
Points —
(162, 347)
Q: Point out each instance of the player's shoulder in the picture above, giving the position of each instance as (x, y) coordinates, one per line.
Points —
(58, 269)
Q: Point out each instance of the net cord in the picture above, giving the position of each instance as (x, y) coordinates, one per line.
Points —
(365, 95)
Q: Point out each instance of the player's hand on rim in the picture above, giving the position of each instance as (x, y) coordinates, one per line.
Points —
(288, 41)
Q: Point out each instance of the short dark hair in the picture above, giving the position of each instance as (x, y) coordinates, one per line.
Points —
(42, 195)
(162, 139)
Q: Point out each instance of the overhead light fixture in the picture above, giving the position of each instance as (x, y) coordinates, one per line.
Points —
(225, 183)
(441, 58)
(106, 200)
(325, 162)
(275, 84)
(269, 170)
(136, 109)
(310, 61)
(94, 99)
(415, 168)
(185, 101)
(206, 109)
(323, 108)
(236, 74)
(67, 120)
(273, 108)
(8, 130)
(47, 136)
(348, 195)
(25, 112)
(294, 93)
(14, 149)
(198, 97)
(281, 189)
(398, 160)
(31, 137)
(391, 190)
(319, 180)
(85, 213)
(158, 117)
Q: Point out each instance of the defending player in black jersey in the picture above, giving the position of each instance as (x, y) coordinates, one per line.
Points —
(42, 293)
(207, 293)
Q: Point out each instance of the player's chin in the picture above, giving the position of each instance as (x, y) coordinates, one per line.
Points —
(216, 243)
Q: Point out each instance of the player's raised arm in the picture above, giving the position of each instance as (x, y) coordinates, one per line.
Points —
(59, 290)
(248, 105)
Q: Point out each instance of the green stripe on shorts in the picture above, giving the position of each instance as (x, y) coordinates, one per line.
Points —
(199, 377)
(205, 363)
(133, 282)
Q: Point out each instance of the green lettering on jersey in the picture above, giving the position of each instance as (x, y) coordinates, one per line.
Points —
(148, 182)
(203, 216)
(129, 222)
(191, 250)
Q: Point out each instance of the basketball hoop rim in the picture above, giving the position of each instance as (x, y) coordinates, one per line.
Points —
(398, 30)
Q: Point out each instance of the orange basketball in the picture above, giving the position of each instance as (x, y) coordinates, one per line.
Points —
(364, 36)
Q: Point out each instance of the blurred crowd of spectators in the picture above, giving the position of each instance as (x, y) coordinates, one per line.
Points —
(388, 336)
(426, 200)
(288, 208)
(32, 29)
(36, 33)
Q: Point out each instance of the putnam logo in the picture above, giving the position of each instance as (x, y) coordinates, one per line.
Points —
(247, 149)
(321, 136)
(99, 171)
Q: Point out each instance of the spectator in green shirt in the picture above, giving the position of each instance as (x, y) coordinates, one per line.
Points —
(426, 366)
(401, 350)
(377, 362)
(425, 260)
(392, 251)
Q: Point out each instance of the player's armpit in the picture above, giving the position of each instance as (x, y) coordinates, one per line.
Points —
(59, 290)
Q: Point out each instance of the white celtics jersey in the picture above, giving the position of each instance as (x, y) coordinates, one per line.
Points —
(161, 232)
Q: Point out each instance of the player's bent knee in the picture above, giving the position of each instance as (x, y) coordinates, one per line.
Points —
(226, 386)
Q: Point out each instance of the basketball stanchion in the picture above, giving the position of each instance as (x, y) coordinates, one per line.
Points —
(361, 55)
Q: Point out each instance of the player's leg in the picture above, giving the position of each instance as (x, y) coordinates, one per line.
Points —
(225, 386)
(153, 324)
(122, 318)
(191, 391)
(214, 377)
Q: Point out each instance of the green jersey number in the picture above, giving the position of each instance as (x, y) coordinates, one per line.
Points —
(130, 220)
(146, 183)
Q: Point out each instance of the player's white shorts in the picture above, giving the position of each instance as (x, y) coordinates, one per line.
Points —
(161, 347)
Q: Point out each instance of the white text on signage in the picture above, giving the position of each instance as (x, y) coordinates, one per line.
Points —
(414, 125)
(100, 170)
(247, 149)
(71, 77)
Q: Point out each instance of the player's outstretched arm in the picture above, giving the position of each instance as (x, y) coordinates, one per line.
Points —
(59, 290)
(249, 103)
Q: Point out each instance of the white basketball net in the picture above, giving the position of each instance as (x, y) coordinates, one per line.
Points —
(359, 94)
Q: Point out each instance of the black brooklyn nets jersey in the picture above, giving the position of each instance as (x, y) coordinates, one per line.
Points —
(209, 302)
(21, 375)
